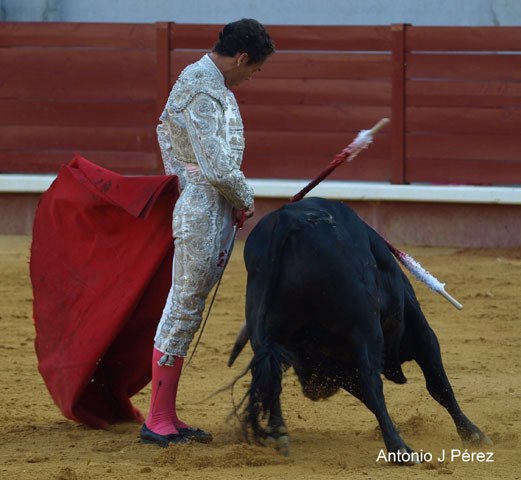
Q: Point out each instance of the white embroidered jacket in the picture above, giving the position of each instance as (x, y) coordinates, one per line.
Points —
(201, 128)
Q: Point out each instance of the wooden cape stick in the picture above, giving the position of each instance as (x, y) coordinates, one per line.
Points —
(363, 139)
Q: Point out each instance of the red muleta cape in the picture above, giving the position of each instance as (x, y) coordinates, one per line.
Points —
(101, 263)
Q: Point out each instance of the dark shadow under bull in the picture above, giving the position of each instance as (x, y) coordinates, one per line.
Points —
(326, 296)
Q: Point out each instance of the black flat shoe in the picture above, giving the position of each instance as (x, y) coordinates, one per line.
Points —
(196, 434)
(148, 436)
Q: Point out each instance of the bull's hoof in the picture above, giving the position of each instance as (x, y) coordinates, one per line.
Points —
(405, 456)
(278, 439)
(478, 438)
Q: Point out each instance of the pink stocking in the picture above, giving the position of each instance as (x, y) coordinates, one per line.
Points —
(162, 417)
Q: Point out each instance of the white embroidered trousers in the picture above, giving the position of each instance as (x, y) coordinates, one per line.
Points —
(203, 231)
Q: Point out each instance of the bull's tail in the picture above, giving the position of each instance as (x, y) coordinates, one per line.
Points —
(270, 359)
(240, 342)
(267, 366)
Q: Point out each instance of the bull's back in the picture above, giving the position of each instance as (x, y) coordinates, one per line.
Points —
(310, 259)
(316, 230)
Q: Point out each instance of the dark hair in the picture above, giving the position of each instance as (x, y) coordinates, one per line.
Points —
(245, 36)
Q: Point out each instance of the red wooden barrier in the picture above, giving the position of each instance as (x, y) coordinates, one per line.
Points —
(463, 93)
(67, 87)
(453, 94)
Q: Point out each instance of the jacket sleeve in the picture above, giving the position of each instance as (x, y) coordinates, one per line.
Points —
(204, 119)
(172, 166)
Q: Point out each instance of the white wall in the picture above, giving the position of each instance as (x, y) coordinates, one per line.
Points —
(31, 10)
(310, 12)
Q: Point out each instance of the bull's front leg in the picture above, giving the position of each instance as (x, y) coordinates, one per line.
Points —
(367, 386)
(428, 358)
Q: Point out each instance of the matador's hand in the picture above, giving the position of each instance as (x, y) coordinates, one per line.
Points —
(248, 213)
(239, 216)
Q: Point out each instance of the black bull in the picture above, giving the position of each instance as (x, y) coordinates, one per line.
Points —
(326, 296)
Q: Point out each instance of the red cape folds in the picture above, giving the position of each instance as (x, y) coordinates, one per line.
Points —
(101, 262)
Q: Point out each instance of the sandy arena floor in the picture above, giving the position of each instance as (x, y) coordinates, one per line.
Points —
(335, 438)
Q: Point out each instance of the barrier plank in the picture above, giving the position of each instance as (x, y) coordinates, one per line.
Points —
(59, 61)
(312, 118)
(319, 144)
(364, 167)
(331, 37)
(449, 93)
(38, 137)
(76, 113)
(194, 36)
(92, 86)
(464, 66)
(297, 37)
(328, 65)
(452, 146)
(49, 161)
(464, 120)
(300, 91)
(460, 171)
(64, 34)
(446, 39)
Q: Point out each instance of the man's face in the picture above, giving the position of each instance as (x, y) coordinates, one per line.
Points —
(242, 71)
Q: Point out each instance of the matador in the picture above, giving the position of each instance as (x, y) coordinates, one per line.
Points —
(202, 142)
